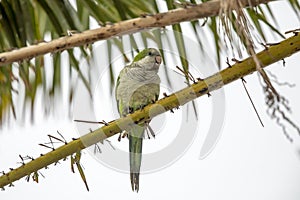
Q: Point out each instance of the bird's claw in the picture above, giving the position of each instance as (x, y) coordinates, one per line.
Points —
(122, 135)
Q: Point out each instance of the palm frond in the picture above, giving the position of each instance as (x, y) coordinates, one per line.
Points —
(23, 23)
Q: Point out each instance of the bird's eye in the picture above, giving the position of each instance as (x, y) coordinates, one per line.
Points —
(150, 53)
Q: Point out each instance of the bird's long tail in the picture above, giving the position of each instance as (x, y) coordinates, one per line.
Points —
(135, 155)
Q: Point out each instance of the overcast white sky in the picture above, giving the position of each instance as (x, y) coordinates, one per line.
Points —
(248, 162)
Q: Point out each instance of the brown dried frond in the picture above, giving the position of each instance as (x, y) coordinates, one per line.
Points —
(234, 20)
(233, 16)
(278, 107)
(275, 79)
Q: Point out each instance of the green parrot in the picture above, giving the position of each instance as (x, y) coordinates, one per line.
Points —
(138, 85)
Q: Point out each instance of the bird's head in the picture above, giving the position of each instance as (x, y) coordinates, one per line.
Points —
(149, 59)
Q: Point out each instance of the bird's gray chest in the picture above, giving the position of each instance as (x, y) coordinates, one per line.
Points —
(138, 93)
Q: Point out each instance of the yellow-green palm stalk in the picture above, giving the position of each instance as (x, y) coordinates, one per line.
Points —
(137, 86)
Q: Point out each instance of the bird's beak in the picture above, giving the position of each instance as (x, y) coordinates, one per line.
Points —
(158, 60)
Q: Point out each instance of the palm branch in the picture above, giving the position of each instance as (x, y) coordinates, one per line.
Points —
(26, 23)
(40, 23)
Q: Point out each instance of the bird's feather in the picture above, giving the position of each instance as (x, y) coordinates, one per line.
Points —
(137, 86)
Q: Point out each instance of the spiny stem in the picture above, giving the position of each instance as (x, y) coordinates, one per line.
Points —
(202, 87)
(159, 20)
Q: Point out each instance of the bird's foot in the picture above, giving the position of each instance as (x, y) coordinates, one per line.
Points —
(122, 135)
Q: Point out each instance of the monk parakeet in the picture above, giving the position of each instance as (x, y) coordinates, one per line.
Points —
(137, 86)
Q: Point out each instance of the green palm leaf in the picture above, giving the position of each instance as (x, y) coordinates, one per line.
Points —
(24, 23)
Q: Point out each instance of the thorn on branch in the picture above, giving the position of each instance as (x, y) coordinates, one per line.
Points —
(71, 32)
(20, 62)
(267, 45)
(58, 139)
(236, 60)
(36, 42)
(244, 81)
(120, 137)
(108, 23)
(28, 59)
(227, 62)
(100, 23)
(92, 122)
(283, 62)
(57, 162)
(104, 122)
(187, 74)
(28, 178)
(203, 91)
(22, 160)
(64, 140)
(144, 15)
(43, 145)
(295, 31)
(272, 44)
(183, 4)
(11, 49)
(165, 94)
